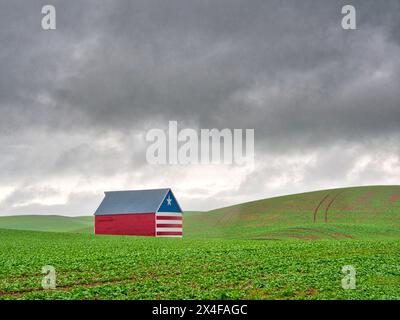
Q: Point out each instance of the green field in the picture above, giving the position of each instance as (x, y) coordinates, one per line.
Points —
(50, 223)
(279, 248)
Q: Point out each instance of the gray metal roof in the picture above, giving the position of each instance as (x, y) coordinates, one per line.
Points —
(131, 201)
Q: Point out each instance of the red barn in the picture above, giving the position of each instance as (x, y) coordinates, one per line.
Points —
(140, 213)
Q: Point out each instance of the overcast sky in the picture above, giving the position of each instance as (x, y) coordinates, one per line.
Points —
(76, 102)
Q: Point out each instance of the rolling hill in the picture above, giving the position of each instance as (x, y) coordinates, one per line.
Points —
(345, 213)
(52, 223)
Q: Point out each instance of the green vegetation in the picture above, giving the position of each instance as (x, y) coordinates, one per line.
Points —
(359, 213)
(255, 250)
(123, 267)
(48, 223)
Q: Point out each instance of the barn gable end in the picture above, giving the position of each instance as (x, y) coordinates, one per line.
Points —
(169, 204)
(169, 217)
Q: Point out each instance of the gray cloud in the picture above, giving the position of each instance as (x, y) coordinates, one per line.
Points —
(116, 69)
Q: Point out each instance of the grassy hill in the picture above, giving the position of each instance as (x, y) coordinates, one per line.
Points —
(47, 223)
(359, 212)
(345, 213)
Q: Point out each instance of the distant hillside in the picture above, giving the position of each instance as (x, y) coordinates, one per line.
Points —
(359, 212)
(346, 213)
(47, 223)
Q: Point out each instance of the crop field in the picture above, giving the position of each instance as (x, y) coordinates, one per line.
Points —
(123, 267)
(291, 247)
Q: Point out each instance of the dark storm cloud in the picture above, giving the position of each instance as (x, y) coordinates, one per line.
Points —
(285, 68)
(115, 64)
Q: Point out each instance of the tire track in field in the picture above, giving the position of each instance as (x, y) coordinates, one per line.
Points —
(318, 206)
(330, 204)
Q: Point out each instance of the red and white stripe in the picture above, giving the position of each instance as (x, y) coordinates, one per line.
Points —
(169, 224)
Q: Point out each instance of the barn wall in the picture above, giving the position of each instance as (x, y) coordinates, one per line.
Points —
(126, 224)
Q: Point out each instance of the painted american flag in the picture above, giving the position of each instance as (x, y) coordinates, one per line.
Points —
(169, 224)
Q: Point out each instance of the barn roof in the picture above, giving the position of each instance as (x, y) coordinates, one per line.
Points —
(132, 201)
